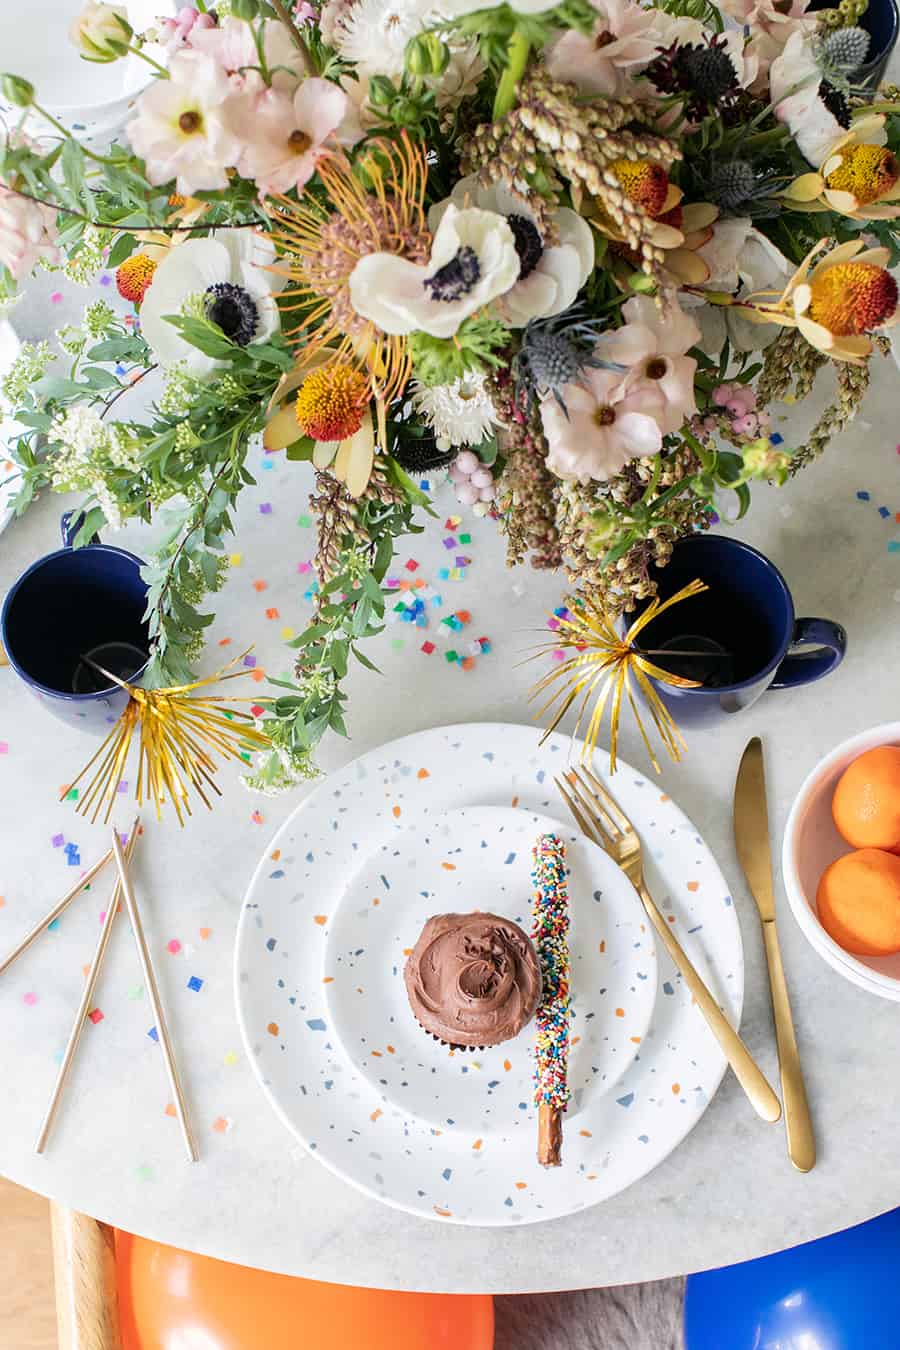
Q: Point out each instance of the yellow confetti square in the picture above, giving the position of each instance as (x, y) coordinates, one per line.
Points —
(287, 633)
(236, 559)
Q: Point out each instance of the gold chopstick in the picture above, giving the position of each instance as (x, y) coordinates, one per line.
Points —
(162, 1029)
(56, 910)
(85, 1001)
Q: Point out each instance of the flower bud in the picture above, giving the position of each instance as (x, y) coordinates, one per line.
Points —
(382, 92)
(427, 55)
(101, 32)
(17, 91)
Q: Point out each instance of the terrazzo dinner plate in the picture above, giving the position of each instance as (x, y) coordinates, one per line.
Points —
(479, 858)
(304, 906)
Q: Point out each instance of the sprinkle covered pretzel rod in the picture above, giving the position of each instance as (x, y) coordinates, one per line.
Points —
(550, 936)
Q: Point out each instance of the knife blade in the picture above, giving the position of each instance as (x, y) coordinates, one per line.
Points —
(751, 836)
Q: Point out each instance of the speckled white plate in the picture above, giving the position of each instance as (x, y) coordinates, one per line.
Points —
(352, 1125)
(480, 858)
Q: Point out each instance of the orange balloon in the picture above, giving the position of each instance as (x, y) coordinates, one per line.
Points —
(174, 1300)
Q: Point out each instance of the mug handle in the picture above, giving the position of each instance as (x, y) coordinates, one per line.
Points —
(70, 522)
(830, 643)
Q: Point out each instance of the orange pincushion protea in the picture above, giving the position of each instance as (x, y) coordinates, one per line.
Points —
(835, 304)
(852, 297)
(332, 402)
(644, 182)
(134, 276)
(859, 176)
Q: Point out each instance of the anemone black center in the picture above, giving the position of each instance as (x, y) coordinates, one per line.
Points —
(708, 71)
(528, 242)
(234, 310)
(836, 103)
(457, 277)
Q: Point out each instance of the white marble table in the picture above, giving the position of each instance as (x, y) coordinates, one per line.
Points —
(726, 1194)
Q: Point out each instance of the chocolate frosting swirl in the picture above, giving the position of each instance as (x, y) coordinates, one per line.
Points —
(473, 979)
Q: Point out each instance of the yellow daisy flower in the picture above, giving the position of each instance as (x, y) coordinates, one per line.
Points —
(859, 177)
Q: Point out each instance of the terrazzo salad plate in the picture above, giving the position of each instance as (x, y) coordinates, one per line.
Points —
(444, 821)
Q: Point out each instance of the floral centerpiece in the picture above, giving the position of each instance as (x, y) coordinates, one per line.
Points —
(569, 254)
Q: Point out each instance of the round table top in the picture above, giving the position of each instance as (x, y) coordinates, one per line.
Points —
(255, 1197)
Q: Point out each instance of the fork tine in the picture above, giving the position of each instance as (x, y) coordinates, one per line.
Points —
(586, 823)
(598, 807)
(607, 800)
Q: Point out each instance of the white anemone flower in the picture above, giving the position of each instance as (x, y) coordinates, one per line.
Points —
(794, 79)
(224, 277)
(551, 275)
(473, 261)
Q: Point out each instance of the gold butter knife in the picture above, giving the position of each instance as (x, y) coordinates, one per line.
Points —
(751, 835)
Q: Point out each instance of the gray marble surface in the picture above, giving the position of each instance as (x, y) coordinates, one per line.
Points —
(728, 1193)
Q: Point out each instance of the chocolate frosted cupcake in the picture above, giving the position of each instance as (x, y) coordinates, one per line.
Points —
(473, 980)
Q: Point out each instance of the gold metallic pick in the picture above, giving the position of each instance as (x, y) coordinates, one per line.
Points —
(178, 736)
(600, 669)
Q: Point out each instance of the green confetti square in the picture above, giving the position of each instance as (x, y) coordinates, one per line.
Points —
(304, 522)
(144, 1172)
(465, 538)
(451, 656)
(398, 644)
(72, 795)
(135, 993)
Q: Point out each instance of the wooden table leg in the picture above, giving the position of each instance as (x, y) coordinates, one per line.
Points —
(84, 1268)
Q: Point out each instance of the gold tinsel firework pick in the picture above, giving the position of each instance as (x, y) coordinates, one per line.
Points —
(179, 735)
(600, 671)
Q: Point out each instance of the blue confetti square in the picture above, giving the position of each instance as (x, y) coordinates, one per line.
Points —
(195, 983)
(152, 1033)
(883, 512)
(864, 496)
(776, 438)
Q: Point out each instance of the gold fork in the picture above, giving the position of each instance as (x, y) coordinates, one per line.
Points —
(602, 819)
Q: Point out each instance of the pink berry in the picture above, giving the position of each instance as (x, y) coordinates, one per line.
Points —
(467, 494)
(721, 395)
(486, 494)
(482, 478)
(468, 462)
(456, 473)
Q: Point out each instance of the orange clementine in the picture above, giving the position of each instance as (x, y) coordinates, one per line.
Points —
(859, 902)
(866, 801)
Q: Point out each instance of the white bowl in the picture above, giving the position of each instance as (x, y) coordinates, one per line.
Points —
(811, 843)
(90, 99)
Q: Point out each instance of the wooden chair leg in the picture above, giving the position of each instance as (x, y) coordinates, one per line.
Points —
(84, 1270)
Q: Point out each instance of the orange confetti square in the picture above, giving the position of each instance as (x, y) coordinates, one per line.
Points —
(220, 1125)
(376, 901)
(603, 945)
(257, 817)
(464, 616)
(423, 773)
(514, 802)
(272, 613)
(521, 1185)
(272, 1028)
(320, 919)
(257, 675)
(260, 586)
(635, 1040)
(448, 867)
(205, 933)
(390, 1049)
(620, 1012)
(407, 951)
(376, 1054)
(2, 901)
(676, 1088)
(328, 979)
(224, 642)
(275, 854)
(477, 1145)
(376, 1113)
(585, 1134)
(444, 1213)
(693, 885)
(395, 811)
(467, 662)
(507, 1066)
(170, 1109)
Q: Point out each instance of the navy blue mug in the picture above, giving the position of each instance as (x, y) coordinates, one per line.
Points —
(740, 637)
(70, 612)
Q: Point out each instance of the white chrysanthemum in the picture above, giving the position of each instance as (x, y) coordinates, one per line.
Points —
(374, 33)
(461, 78)
(461, 413)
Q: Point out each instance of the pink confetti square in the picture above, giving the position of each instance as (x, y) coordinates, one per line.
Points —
(56, 298)
(95, 1015)
(412, 565)
(174, 946)
(304, 567)
(29, 999)
(4, 747)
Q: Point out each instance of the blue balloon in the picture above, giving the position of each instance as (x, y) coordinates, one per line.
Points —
(838, 1293)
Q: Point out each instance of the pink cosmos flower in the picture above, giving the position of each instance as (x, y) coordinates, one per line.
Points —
(27, 234)
(653, 343)
(286, 133)
(182, 128)
(769, 24)
(607, 426)
(233, 47)
(623, 39)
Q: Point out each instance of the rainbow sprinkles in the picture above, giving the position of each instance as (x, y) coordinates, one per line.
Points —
(550, 934)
